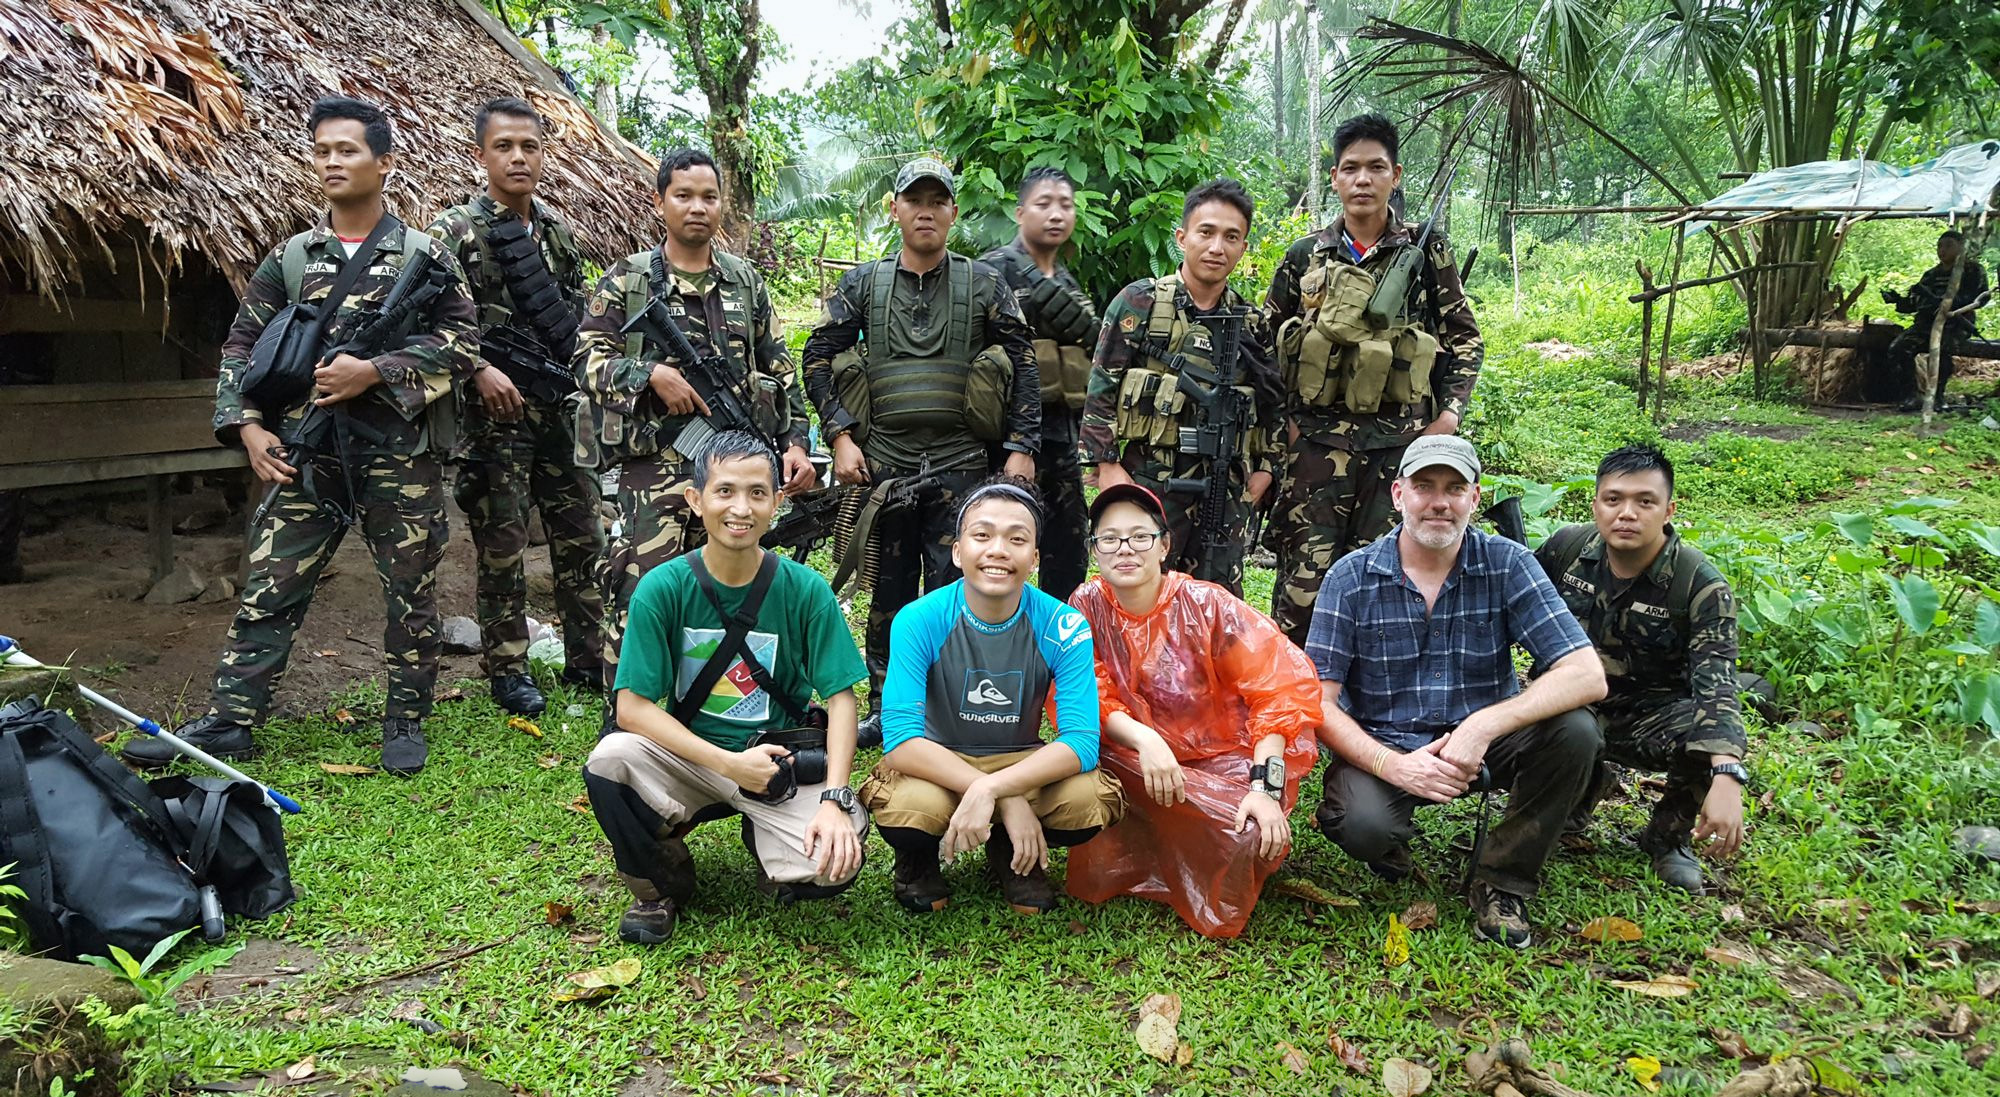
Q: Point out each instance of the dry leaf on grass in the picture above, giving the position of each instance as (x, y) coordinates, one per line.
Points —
(1734, 913)
(600, 982)
(1294, 1059)
(1731, 1043)
(1396, 943)
(1646, 1069)
(1987, 982)
(1157, 1037)
(301, 1070)
(1660, 986)
(557, 913)
(1606, 930)
(1183, 1055)
(1982, 906)
(1403, 1078)
(1310, 892)
(1168, 1005)
(697, 989)
(1730, 953)
(343, 716)
(1422, 914)
(1807, 985)
(297, 1015)
(1349, 1055)
(549, 761)
(407, 1011)
(580, 805)
(524, 725)
(345, 770)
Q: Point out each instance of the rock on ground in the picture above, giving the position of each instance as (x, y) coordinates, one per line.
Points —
(461, 636)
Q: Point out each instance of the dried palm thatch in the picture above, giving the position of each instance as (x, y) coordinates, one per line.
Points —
(185, 118)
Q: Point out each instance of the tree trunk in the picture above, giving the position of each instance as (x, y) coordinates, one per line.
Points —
(1278, 88)
(1314, 43)
(727, 86)
(1928, 364)
(732, 151)
(604, 97)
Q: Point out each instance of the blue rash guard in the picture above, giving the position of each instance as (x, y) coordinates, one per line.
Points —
(977, 688)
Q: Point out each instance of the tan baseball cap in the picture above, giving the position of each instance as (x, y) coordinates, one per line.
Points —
(1440, 449)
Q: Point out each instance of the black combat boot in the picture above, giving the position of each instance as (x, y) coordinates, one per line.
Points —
(403, 748)
(516, 694)
(217, 734)
(1026, 892)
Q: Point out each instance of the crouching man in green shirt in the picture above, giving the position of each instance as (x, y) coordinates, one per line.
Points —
(724, 650)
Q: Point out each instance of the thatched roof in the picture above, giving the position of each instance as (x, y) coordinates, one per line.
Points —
(186, 117)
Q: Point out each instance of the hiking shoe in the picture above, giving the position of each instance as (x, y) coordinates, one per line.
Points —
(648, 921)
(217, 734)
(920, 885)
(587, 678)
(1026, 893)
(516, 694)
(1677, 868)
(403, 748)
(1395, 867)
(868, 733)
(1500, 916)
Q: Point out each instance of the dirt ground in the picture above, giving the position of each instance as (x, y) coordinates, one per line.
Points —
(86, 567)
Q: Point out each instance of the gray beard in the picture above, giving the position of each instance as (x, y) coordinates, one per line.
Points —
(1436, 541)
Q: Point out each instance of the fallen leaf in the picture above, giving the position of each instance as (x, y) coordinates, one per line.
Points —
(585, 940)
(1422, 914)
(343, 717)
(1403, 1078)
(1730, 1043)
(1734, 913)
(1077, 928)
(452, 694)
(1983, 906)
(1166, 1005)
(580, 805)
(557, 913)
(1349, 1055)
(297, 1015)
(1294, 1059)
(1730, 954)
(407, 1011)
(1310, 892)
(1660, 986)
(1927, 470)
(1606, 930)
(325, 653)
(1806, 985)
(598, 982)
(1157, 1037)
(523, 724)
(1988, 982)
(345, 770)
(697, 989)
(301, 1070)
(549, 761)
(1646, 1069)
(1183, 1055)
(1396, 943)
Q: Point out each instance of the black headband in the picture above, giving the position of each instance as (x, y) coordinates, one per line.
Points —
(1014, 493)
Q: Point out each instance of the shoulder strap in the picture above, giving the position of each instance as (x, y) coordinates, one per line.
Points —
(766, 573)
(1567, 546)
(736, 632)
(964, 339)
(352, 269)
(294, 266)
(204, 834)
(881, 287)
(21, 837)
(636, 297)
(1161, 322)
(1687, 566)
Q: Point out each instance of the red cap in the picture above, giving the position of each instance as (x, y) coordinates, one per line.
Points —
(1140, 497)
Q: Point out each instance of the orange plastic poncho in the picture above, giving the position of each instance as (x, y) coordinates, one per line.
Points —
(1212, 676)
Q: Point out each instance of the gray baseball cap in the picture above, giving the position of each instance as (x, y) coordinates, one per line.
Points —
(926, 167)
(1448, 450)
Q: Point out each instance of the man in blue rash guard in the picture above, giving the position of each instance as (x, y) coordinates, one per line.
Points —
(971, 668)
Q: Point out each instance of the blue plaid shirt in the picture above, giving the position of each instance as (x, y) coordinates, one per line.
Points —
(1408, 677)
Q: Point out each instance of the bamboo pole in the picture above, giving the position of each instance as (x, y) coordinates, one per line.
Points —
(1927, 366)
(1667, 333)
(1645, 327)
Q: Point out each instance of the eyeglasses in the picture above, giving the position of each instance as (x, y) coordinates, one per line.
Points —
(1108, 543)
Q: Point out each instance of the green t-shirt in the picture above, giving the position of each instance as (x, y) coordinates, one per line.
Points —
(801, 638)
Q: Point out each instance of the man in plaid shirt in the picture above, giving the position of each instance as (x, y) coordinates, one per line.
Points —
(1411, 637)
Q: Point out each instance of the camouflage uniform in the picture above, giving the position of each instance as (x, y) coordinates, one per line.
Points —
(916, 541)
(1148, 448)
(1335, 497)
(400, 426)
(1065, 559)
(1922, 300)
(1668, 642)
(506, 468)
(622, 422)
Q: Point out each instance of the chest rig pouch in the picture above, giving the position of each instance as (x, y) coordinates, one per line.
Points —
(1065, 322)
(1330, 354)
(1151, 403)
(892, 380)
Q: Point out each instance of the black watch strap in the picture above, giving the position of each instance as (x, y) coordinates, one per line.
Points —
(842, 797)
(1734, 770)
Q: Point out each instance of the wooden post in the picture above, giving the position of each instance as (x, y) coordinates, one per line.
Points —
(1667, 330)
(1645, 326)
(159, 527)
(1927, 365)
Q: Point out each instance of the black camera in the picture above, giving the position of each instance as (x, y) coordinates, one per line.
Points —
(805, 765)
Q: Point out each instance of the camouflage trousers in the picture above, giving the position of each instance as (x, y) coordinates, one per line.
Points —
(913, 546)
(1066, 525)
(1332, 502)
(506, 469)
(402, 517)
(654, 526)
(1657, 735)
(1153, 467)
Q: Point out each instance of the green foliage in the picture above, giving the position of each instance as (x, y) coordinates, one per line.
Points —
(13, 932)
(158, 990)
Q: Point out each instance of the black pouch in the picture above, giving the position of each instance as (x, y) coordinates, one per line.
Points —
(234, 840)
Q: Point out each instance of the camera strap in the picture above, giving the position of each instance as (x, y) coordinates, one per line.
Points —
(734, 641)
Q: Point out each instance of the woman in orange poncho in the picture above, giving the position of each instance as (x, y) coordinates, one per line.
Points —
(1209, 714)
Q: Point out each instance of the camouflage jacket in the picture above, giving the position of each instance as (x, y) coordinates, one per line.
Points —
(463, 229)
(1924, 297)
(1440, 306)
(1120, 342)
(615, 371)
(1652, 648)
(442, 345)
(845, 321)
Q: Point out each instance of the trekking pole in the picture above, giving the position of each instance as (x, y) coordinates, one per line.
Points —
(12, 655)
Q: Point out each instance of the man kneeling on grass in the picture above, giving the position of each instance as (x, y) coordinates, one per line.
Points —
(723, 652)
(971, 667)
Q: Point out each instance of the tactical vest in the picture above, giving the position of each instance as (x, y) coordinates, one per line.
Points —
(893, 383)
(1064, 366)
(1150, 401)
(1331, 354)
(1567, 545)
(495, 299)
(439, 430)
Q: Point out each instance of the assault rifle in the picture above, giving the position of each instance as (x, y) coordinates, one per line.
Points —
(858, 552)
(807, 522)
(330, 428)
(526, 362)
(1389, 302)
(726, 397)
(1221, 417)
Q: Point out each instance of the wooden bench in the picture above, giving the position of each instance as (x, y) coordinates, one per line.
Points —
(81, 434)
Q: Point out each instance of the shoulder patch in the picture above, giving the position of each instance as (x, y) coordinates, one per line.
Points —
(597, 306)
(1128, 323)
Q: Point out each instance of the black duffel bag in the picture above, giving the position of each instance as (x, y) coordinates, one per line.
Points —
(98, 852)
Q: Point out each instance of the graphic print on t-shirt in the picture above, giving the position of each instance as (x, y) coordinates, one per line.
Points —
(736, 695)
(991, 696)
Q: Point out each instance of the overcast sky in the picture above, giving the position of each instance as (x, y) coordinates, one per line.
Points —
(824, 35)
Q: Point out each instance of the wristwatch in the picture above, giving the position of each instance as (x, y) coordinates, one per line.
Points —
(1731, 769)
(1269, 778)
(843, 797)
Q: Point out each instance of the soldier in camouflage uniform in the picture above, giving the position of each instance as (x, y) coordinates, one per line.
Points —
(518, 446)
(400, 419)
(1358, 396)
(1065, 326)
(637, 400)
(1663, 620)
(933, 398)
(1134, 413)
